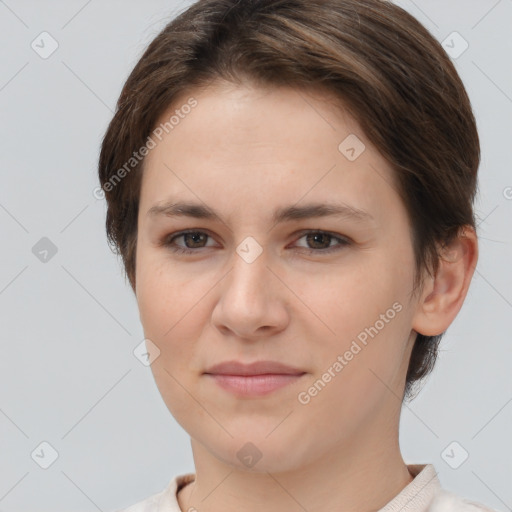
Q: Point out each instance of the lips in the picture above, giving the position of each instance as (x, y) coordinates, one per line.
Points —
(256, 368)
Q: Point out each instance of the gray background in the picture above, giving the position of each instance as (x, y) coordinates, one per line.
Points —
(70, 324)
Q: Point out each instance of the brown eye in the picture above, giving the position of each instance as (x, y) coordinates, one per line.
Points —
(319, 238)
(193, 240)
(319, 242)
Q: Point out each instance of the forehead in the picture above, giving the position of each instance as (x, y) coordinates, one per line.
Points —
(234, 103)
(243, 142)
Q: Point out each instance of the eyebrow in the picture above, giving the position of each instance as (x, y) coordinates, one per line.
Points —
(283, 214)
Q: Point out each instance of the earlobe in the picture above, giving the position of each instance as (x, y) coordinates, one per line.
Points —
(443, 296)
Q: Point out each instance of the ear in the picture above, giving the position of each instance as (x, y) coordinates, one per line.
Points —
(443, 296)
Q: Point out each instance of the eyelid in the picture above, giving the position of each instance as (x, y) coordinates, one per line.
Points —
(168, 241)
(337, 236)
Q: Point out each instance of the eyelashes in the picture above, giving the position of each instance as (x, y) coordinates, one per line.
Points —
(312, 236)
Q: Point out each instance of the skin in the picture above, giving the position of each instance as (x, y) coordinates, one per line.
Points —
(245, 151)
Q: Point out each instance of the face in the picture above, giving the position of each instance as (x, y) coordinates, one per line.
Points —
(328, 295)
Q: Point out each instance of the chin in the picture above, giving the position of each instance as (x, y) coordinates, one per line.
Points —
(261, 454)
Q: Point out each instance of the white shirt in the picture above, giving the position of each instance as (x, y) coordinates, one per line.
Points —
(423, 494)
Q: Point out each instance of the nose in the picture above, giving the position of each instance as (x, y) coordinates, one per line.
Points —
(252, 302)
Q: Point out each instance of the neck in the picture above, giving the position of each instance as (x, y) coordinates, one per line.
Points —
(350, 478)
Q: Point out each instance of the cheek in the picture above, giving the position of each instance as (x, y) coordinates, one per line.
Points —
(350, 299)
(167, 316)
(368, 319)
(161, 293)
(172, 311)
(358, 373)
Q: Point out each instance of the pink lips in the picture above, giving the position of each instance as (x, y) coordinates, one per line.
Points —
(255, 379)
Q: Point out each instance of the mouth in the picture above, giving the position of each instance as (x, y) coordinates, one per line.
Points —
(253, 385)
(255, 368)
(255, 379)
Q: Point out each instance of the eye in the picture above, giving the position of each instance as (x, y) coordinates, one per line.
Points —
(321, 238)
(195, 240)
(191, 236)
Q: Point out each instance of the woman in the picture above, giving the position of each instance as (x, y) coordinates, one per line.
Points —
(290, 184)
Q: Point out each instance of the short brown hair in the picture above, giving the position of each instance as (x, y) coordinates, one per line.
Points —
(388, 71)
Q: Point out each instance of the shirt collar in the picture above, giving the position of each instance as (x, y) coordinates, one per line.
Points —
(415, 496)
